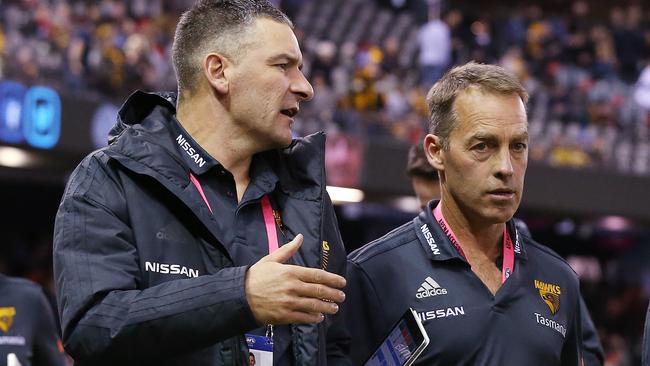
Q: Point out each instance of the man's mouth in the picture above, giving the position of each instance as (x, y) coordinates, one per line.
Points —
(290, 112)
(502, 192)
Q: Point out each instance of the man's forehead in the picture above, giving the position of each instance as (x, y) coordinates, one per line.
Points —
(271, 38)
(489, 112)
(265, 29)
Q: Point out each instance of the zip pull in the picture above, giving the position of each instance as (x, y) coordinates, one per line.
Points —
(278, 221)
(269, 331)
(326, 255)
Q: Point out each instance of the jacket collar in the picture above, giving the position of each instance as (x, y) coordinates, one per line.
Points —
(147, 132)
(195, 157)
(438, 246)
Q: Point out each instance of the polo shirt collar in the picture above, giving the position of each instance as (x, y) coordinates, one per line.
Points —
(263, 177)
(438, 246)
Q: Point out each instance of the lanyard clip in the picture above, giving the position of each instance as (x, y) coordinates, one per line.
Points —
(269, 331)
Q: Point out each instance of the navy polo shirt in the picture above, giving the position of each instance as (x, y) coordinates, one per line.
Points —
(241, 224)
(27, 327)
(533, 319)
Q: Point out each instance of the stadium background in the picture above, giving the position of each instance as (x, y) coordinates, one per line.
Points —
(65, 66)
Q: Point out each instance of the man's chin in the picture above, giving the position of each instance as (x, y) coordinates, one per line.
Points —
(498, 215)
(281, 142)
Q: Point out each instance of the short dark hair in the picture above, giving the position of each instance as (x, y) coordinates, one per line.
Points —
(441, 97)
(215, 26)
(418, 165)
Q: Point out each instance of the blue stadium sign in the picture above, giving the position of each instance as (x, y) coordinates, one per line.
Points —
(31, 115)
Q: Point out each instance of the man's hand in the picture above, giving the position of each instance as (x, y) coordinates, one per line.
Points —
(279, 293)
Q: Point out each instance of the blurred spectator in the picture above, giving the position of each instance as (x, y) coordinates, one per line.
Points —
(424, 178)
(435, 47)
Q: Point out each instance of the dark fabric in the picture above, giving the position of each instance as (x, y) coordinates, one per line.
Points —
(592, 352)
(645, 357)
(417, 266)
(27, 324)
(146, 275)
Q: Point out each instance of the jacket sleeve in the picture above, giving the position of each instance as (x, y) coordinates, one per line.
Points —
(645, 351)
(366, 322)
(46, 343)
(105, 312)
(338, 337)
(593, 354)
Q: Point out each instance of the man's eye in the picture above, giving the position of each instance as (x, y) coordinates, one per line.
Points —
(520, 146)
(282, 66)
(480, 146)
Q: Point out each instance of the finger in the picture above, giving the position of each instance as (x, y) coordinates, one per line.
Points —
(283, 253)
(319, 291)
(299, 317)
(314, 306)
(314, 275)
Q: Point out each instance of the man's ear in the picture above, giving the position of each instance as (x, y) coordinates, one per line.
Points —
(433, 150)
(214, 66)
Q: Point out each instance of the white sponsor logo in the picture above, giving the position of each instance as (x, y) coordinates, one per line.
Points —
(12, 340)
(430, 288)
(441, 313)
(182, 142)
(429, 238)
(166, 268)
(517, 245)
(551, 324)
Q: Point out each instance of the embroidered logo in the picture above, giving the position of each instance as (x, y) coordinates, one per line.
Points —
(550, 293)
(430, 288)
(167, 268)
(193, 154)
(429, 238)
(7, 318)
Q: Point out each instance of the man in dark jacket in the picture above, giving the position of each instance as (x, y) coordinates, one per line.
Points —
(486, 294)
(168, 243)
(27, 327)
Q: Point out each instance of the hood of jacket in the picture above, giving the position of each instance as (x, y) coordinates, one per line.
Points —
(142, 137)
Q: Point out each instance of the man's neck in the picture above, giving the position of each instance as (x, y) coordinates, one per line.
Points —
(479, 240)
(216, 133)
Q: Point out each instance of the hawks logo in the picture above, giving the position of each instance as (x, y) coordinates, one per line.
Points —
(7, 318)
(550, 293)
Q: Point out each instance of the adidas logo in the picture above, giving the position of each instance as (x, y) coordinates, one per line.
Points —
(430, 288)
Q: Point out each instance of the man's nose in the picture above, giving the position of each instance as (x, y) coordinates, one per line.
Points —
(301, 86)
(504, 163)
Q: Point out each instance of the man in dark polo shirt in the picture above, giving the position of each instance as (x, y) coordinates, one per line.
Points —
(426, 186)
(27, 327)
(486, 294)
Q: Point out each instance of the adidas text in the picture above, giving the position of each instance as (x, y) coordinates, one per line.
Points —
(429, 293)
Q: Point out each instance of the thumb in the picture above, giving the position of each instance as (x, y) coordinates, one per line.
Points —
(283, 253)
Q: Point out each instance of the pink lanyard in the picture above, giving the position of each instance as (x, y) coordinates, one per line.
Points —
(508, 251)
(267, 211)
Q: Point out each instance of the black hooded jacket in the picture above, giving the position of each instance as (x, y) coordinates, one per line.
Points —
(143, 274)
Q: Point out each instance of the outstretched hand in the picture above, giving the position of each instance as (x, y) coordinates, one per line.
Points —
(280, 293)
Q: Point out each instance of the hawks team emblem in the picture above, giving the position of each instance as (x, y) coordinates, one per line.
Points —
(7, 318)
(550, 293)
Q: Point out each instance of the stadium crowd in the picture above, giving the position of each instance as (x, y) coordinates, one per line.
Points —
(588, 77)
(589, 80)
